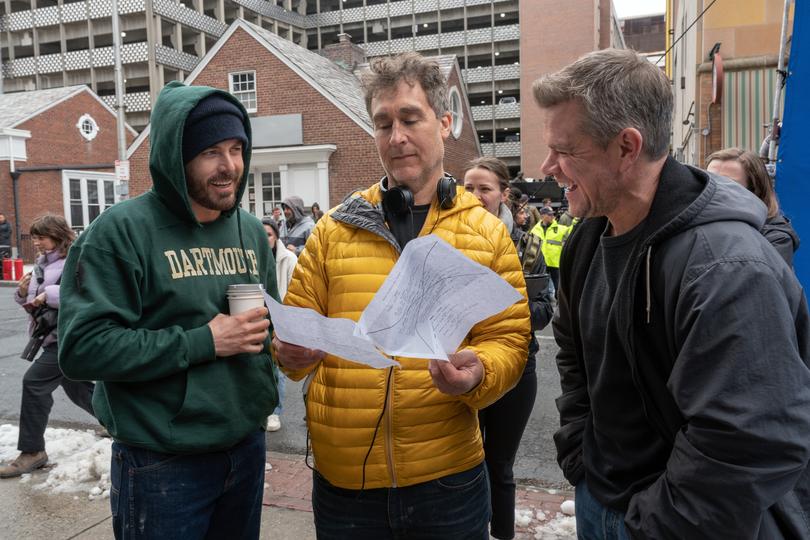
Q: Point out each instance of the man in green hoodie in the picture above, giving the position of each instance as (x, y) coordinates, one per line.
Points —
(182, 388)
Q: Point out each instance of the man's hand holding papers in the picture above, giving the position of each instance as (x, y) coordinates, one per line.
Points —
(427, 305)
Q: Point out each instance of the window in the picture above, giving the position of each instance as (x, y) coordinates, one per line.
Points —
(243, 86)
(456, 112)
(271, 191)
(87, 127)
(262, 198)
(86, 196)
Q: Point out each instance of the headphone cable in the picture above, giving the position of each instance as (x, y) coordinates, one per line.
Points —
(376, 429)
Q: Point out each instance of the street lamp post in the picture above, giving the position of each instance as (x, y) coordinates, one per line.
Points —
(119, 96)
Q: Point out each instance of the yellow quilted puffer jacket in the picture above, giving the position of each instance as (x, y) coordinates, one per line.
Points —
(423, 434)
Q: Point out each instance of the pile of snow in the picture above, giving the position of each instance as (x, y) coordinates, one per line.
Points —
(559, 528)
(567, 507)
(523, 517)
(548, 526)
(80, 460)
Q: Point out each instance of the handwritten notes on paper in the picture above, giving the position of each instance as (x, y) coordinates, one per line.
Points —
(428, 303)
(431, 299)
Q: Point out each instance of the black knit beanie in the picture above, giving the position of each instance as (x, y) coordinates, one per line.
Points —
(213, 120)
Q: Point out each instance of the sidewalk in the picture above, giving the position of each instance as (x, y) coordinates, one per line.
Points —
(33, 513)
(290, 484)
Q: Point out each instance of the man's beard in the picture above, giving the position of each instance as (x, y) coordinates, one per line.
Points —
(198, 190)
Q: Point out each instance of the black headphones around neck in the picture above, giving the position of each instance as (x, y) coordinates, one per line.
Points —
(398, 200)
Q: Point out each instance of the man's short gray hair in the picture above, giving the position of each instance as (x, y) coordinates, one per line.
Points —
(387, 72)
(617, 89)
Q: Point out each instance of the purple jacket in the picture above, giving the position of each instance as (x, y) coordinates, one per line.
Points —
(51, 264)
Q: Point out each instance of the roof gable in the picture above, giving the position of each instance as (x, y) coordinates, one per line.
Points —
(18, 107)
(336, 84)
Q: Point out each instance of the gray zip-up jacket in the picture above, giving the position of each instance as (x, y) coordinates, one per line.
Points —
(716, 330)
(296, 231)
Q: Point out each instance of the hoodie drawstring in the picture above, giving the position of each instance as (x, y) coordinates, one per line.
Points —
(649, 295)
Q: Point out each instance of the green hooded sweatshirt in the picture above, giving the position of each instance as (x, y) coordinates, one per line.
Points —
(138, 290)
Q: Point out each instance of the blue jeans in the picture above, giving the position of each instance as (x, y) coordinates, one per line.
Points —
(454, 507)
(281, 383)
(596, 521)
(214, 495)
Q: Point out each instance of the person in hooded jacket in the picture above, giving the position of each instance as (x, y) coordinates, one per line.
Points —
(297, 226)
(684, 337)
(502, 423)
(748, 170)
(183, 389)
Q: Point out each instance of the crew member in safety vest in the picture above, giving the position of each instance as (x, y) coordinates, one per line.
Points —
(554, 236)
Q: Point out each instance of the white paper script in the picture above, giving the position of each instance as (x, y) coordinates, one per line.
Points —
(308, 328)
(431, 299)
(426, 306)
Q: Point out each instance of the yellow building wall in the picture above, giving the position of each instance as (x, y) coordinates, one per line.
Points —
(744, 27)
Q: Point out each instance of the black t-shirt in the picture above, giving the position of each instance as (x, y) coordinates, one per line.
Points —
(622, 452)
(405, 227)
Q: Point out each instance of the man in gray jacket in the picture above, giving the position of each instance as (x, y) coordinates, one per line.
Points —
(297, 226)
(684, 337)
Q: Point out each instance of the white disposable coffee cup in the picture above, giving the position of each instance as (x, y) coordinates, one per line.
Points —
(244, 297)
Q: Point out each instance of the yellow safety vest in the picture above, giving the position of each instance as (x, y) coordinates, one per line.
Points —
(554, 238)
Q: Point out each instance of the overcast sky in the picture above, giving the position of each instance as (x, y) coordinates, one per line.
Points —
(630, 8)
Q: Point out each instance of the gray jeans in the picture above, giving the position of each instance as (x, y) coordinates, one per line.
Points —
(39, 382)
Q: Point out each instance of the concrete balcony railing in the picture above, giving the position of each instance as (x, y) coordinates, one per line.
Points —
(504, 149)
(498, 112)
(175, 59)
(392, 9)
(278, 13)
(177, 12)
(173, 11)
(133, 102)
(487, 74)
(131, 53)
(67, 13)
(450, 39)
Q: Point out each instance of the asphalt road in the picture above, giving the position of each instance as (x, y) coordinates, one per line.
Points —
(535, 461)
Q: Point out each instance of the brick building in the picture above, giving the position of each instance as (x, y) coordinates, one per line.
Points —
(312, 136)
(501, 46)
(60, 145)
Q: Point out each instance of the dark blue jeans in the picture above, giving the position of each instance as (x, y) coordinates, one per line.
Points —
(454, 507)
(214, 495)
(596, 521)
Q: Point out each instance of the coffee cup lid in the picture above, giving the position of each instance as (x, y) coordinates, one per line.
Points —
(245, 287)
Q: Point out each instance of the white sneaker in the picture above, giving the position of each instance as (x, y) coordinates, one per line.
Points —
(273, 423)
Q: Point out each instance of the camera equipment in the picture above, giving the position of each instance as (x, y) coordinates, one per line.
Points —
(45, 319)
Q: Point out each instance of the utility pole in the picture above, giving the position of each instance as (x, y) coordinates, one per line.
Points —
(777, 95)
(122, 165)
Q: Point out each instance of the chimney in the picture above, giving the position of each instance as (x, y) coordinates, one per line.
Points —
(345, 53)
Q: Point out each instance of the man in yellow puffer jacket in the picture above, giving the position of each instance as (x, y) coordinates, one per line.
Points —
(398, 452)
